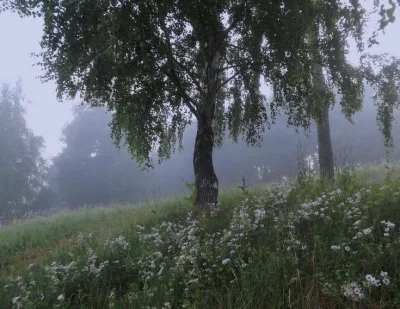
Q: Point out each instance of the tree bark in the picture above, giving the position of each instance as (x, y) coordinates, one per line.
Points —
(205, 178)
(325, 152)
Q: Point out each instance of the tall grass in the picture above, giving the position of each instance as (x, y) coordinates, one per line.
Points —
(301, 244)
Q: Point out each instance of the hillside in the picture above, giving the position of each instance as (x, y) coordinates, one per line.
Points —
(294, 245)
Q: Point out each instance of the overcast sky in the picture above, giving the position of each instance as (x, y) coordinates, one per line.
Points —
(46, 116)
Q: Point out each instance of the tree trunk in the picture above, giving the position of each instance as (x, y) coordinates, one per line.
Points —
(325, 152)
(205, 178)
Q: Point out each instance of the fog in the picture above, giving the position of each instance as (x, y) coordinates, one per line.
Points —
(47, 117)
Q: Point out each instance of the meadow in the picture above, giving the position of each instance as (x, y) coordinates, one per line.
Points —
(297, 244)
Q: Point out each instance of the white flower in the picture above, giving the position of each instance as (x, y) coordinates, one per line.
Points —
(226, 261)
(386, 281)
(353, 291)
(15, 299)
(372, 281)
(390, 224)
(367, 231)
(347, 248)
(61, 297)
(384, 274)
(357, 291)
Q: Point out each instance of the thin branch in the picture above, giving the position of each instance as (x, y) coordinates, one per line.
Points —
(226, 81)
(220, 70)
(191, 75)
(236, 19)
(192, 105)
(171, 60)
(188, 100)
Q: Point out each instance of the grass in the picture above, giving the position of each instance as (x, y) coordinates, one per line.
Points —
(294, 245)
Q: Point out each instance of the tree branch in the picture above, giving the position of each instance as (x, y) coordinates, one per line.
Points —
(191, 104)
(173, 75)
(226, 81)
(236, 19)
(220, 70)
(191, 75)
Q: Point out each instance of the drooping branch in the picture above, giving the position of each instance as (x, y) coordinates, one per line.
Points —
(190, 102)
(171, 73)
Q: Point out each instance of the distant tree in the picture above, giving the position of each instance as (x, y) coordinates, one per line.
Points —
(21, 163)
(91, 169)
(159, 64)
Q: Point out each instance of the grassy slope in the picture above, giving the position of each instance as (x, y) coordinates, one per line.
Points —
(257, 251)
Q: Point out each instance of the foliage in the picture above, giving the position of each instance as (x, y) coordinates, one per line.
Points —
(266, 248)
(152, 72)
(383, 74)
(22, 168)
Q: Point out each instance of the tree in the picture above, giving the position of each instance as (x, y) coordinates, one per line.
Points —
(90, 169)
(325, 152)
(21, 163)
(158, 64)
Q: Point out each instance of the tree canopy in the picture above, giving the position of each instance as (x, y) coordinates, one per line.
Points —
(159, 64)
(21, 164)
(146, 60)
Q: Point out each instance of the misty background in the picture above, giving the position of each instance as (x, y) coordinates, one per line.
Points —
(82, 166)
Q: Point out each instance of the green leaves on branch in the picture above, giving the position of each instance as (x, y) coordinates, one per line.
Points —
(382, 72)
(157, 65)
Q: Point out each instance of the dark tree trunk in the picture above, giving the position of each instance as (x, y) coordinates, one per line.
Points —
(325, 152)
(205, 178)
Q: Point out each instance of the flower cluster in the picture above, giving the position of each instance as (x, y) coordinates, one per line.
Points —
(170, 262)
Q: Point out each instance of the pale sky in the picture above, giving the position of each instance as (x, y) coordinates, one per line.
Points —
(46, 116)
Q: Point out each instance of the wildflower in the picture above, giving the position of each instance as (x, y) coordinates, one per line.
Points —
(139, 227)
(226, 261)
(367, 231)
(61, 297)
(353, 291)
(347, 248)
(372, 280)
(15, 299)
(81, 238)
